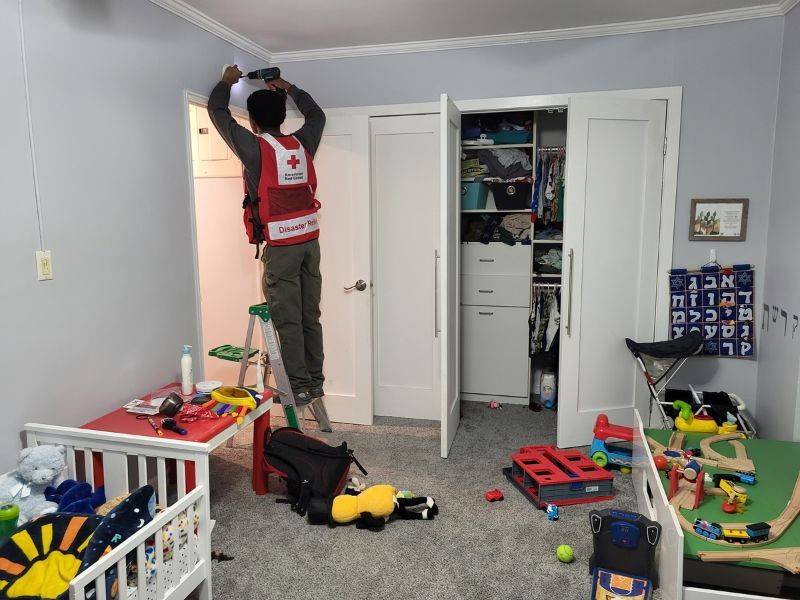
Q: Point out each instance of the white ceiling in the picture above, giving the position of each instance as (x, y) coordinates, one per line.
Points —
(282, 26)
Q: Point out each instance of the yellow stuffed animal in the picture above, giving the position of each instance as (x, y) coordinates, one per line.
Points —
(375, 505)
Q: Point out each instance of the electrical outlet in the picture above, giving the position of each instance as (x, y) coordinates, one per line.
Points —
(44, 265)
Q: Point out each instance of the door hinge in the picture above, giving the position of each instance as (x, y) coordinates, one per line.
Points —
(665, 146)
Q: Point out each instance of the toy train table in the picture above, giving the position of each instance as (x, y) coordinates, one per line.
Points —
(755, 551)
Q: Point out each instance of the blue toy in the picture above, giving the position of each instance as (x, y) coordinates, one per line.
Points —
(552, 512)
(75, 497)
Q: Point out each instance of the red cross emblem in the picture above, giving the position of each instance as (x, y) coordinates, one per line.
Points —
(293, 162)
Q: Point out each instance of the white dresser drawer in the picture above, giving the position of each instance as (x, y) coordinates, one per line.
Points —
(495, 259)
(496, 290)
(494, 350)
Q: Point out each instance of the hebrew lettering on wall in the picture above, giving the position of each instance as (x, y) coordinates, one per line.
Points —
(719, 303)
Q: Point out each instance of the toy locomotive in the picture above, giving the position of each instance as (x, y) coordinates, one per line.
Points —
(754, 532)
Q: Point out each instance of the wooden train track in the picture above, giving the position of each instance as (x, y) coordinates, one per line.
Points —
(788, 558)
(741, 463)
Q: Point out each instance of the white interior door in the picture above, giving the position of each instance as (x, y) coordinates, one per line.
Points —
(342, 166)
(405, 199)
(615, 154)
(448, 300)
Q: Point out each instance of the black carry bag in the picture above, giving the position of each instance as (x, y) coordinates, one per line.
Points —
(315, 472)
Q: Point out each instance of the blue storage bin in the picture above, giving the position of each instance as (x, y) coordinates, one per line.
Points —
(473, 195)
(510, 137)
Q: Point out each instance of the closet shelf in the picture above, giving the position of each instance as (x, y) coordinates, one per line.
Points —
(547, 241)
(546, 275)
(496, 146)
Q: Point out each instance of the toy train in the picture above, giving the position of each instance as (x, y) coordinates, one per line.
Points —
(755, 532)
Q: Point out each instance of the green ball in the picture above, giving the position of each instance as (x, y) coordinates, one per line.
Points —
(565, 554)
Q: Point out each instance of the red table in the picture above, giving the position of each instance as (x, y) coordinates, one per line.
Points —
(213, 432)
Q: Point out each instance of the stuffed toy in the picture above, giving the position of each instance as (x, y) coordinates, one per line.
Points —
(75, 497)
(376, 505)
(37, 468)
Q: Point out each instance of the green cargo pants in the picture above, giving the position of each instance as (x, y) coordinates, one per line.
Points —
(292, 287)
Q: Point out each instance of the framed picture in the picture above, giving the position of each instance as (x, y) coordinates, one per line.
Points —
(723, 219)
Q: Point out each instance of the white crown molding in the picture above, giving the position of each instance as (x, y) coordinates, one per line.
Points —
(727, 16)
(203, 21)
(191, 14)
(787, 5)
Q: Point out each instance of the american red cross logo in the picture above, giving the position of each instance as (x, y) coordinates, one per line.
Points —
(293, 162)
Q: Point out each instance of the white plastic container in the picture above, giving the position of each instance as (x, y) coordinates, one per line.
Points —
(187, 376)
(549, 389)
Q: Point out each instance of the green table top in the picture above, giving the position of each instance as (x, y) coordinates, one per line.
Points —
(777, 466)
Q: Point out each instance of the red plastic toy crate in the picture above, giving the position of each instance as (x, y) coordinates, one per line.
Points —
(549, 475)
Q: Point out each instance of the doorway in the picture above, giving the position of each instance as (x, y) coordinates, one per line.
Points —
(229, 278)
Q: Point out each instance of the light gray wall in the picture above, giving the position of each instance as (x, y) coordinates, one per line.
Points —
(780, 345)
(107, 81)
(729, 75)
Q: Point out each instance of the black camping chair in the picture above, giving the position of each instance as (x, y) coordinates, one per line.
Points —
(660, 362)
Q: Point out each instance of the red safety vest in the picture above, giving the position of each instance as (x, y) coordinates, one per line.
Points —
(285, 211)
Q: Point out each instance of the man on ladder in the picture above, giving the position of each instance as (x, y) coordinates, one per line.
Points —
(280, 211)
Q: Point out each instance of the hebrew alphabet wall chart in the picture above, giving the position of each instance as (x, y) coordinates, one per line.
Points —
(719, 303)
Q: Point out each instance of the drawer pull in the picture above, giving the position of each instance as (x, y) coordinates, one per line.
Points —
(485, 260)
(486, 291)
(486, 314)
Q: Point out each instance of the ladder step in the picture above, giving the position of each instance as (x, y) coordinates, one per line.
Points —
(231, 353)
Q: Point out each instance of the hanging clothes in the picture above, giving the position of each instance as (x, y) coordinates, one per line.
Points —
(545, 319)
(547, 204)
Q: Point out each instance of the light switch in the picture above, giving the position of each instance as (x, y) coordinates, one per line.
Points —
(44, 265)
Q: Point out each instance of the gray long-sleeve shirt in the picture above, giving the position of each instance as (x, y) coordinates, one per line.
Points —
(244, 143)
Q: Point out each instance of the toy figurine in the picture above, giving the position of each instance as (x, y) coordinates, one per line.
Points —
(552, 512)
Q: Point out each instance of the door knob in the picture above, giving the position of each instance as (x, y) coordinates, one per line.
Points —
(359, 285)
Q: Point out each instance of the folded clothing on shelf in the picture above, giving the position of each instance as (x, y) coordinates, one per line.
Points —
(548, 261)
(506, 163)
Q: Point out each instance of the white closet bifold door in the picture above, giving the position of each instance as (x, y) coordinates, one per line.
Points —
(611, 240)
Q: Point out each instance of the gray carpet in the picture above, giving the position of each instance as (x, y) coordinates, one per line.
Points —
(473, 549)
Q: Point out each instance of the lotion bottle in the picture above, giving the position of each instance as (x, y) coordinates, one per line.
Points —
(187, 384)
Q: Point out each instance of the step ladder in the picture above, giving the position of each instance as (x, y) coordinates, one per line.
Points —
(248, 355)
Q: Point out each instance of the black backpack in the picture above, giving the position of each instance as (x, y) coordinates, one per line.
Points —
(315, 472)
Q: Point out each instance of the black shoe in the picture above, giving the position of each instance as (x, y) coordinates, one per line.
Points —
(302, 399)
(316, 393)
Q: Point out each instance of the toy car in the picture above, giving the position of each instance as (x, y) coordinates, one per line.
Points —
(604, 454)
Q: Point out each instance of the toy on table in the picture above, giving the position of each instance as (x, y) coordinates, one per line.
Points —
(376, 505)
(687, 421)
(232, 401)
(172, 425)
(661, 462)
(494, 495)
(604, 454)
(152, 423)
(565, 553)
(552, 512)
(37, 468)
(736, 497)
(75, 497)
(625, 544)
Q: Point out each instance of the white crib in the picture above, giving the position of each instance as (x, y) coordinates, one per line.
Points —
(126, 462)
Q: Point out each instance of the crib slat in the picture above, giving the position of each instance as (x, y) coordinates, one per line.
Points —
(89, 466)
(159, 563)
(122, 580)
(100, 586)
(162, 481)
(71, 472)
(190, 543)
(181, 468)
(141, 572)
(142, 460)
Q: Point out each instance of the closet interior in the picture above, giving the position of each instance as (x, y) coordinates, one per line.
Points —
(512, 217)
